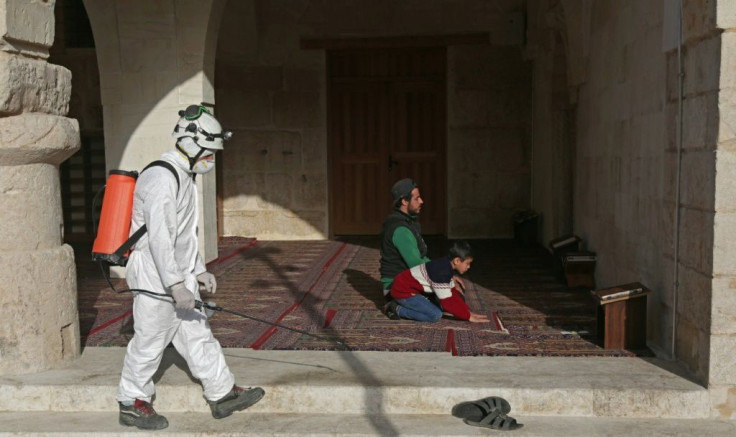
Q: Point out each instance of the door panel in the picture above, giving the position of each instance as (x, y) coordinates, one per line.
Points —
(386, 112)
(418, 145)
(358, 131)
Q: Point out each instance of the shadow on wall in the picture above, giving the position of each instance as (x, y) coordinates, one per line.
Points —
(133, 107)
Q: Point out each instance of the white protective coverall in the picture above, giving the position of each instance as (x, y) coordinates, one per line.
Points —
(166, 255)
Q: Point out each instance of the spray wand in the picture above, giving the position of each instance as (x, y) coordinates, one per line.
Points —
(211, 306)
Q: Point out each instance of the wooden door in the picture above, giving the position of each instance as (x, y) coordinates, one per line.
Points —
(386, 117)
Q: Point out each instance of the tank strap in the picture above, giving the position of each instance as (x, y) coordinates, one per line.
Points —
(120, 253)
(167, 165)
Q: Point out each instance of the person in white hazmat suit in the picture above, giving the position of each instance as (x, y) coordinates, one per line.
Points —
(166, 260)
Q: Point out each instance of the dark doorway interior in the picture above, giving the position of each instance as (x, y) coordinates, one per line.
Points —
(83, 174)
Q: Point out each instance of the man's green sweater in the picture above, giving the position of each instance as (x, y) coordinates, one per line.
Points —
(402, 246)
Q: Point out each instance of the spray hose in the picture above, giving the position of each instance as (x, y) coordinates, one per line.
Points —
(198, 304)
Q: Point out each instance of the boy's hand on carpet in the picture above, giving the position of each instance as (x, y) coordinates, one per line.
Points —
(478, 318)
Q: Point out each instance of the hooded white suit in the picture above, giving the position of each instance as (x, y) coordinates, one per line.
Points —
(168, 254)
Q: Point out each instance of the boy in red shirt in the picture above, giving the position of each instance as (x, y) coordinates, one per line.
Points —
(434, 277)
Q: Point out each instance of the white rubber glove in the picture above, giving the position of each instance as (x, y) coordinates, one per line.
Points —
(208, 280)
(183, 298)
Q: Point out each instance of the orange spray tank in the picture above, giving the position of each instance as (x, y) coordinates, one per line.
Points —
(117, 209)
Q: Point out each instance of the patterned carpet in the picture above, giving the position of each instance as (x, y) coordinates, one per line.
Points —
(331, 289)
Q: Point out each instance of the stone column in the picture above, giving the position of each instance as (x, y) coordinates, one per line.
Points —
(40, 326)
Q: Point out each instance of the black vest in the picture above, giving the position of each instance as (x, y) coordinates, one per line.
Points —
(391, 261)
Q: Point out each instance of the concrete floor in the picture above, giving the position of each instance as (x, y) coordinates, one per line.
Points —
(373, 393)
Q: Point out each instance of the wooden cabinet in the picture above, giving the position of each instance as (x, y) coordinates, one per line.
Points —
(579, 269)
(622, 316)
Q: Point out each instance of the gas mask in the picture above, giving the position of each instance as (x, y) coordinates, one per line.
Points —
(203, 166)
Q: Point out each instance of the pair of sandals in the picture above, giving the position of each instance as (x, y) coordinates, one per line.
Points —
(491, 412)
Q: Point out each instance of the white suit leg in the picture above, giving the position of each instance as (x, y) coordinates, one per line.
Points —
(155, 325)
(196, 344)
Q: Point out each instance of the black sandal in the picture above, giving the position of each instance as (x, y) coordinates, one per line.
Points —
(477, 410)
(496, 421)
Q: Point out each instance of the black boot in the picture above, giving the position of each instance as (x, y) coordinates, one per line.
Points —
(142, 415)
(238, 399)
(391, 310)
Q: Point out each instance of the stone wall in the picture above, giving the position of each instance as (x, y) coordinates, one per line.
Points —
(40, 326)
(625, 155)
(272, 94)
(627, 205)
(721, 109)
(272, 98)
(489, 116)
(553, 117)
(698, 242)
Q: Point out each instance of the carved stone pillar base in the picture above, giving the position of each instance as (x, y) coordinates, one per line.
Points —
(40, 325)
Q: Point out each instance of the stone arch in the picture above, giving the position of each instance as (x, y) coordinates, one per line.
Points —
(154, 58)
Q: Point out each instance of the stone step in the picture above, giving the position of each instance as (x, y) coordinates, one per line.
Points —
(370, 383)
(54, 424)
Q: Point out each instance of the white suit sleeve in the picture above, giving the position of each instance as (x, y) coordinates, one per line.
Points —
(159, 212)
(199, 266)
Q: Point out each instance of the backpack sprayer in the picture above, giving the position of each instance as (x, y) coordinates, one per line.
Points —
(112, 241)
